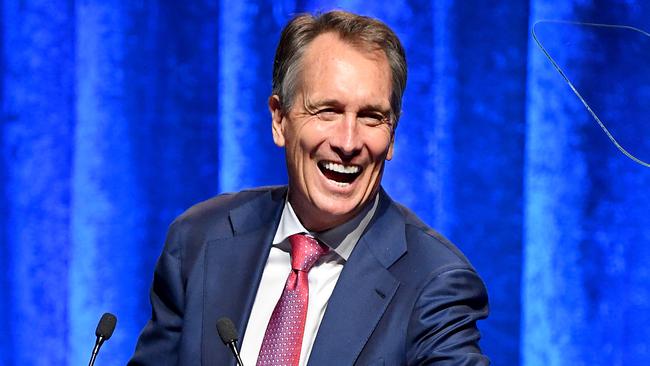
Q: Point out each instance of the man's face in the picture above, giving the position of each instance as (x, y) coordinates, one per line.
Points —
(338, 132)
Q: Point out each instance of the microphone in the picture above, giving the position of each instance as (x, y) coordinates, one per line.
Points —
(229, 336)
(103, 332)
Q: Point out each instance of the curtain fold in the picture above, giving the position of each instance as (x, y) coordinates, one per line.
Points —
(37, 147)
(117, 116)
(587, 222)
(109, 193)
(248, 34)
(145, 136)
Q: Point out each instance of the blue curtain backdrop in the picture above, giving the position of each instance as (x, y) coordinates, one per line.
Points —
(118, 115)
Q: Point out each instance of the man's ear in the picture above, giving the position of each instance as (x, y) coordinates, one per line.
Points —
(389, 155)
(277, 126)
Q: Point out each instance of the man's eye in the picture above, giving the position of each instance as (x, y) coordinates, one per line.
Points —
(328, 114)
(372, 119)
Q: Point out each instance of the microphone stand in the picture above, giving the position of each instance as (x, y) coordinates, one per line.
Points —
(98, 343)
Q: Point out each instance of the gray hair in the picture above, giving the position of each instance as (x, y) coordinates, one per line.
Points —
(360, 31)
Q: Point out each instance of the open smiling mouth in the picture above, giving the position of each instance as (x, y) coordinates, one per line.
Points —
(339, 173)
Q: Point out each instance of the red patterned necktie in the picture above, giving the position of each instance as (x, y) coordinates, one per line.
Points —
(283, 337)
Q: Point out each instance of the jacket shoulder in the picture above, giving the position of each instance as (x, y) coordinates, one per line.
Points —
(427, 247)
(219, 206)
(209, 219)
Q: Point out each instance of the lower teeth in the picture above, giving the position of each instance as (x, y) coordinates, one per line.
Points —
(340, 184)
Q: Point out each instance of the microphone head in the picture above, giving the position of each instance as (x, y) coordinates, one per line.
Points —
(227, 330)
(106, 326)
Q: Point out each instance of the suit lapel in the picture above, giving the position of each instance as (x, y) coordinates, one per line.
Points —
(363, 291)
(233, 269)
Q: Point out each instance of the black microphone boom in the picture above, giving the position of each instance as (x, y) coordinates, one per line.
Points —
(103, 332)
(229, 336)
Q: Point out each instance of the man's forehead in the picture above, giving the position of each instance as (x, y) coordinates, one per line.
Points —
(329, 52)
(322, 45)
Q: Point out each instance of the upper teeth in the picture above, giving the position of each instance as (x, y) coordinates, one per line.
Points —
(340, 168)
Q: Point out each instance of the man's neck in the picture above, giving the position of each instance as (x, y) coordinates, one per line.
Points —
(341, 238)
(319, 222)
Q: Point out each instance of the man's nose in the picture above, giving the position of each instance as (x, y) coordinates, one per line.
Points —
(346, 139)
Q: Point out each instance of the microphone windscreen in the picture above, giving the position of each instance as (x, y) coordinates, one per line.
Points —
(106, 326)
(227, 330)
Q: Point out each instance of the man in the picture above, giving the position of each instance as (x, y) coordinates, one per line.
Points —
(329, 270)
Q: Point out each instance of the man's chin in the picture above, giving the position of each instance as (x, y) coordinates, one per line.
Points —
(332, 215)
(324, 209)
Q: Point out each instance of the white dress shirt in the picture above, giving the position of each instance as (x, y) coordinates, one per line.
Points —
(322, 278)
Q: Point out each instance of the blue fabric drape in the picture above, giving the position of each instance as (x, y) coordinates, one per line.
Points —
(585, 292)
(37, 131)
(117, 116)
(145, 132)
(248, 33)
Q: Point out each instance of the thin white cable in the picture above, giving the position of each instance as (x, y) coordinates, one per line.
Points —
(559, 70)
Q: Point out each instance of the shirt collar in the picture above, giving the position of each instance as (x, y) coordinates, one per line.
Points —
(341, 239)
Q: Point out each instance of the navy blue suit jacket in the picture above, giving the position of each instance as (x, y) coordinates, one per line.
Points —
(405, 296)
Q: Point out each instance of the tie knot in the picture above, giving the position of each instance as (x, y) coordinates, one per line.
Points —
(305, 251)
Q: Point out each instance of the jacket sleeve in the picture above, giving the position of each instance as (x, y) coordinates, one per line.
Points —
(159, 341)
(442, 328)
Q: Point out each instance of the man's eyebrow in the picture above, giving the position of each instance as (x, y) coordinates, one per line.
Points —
(323, 102)
(338, 104)
(375, 108)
